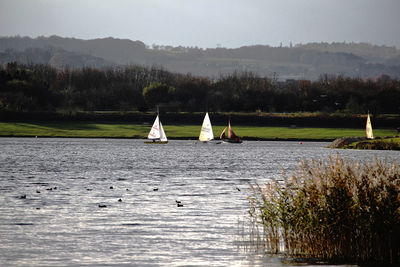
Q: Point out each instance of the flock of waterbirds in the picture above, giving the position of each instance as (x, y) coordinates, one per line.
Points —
(178, 203)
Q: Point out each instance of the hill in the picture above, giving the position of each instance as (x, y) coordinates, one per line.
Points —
(55, 57)
(307, 61)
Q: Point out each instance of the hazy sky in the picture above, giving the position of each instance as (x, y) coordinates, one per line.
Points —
(207, 23)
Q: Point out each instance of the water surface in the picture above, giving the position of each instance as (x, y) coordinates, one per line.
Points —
(60, 223)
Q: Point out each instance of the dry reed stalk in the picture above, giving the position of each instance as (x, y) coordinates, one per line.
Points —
(340, 210)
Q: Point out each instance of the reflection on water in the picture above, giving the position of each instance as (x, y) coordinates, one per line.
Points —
(114, 202)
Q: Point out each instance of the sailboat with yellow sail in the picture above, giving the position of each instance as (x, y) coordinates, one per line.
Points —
(368, 128)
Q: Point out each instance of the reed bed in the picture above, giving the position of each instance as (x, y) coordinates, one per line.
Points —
(337, 210)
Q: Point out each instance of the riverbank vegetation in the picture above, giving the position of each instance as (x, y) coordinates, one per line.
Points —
(27, 88)
(337, 210)
(126, 130)
(379, 144)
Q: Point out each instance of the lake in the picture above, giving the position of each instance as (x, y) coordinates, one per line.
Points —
(113, 202)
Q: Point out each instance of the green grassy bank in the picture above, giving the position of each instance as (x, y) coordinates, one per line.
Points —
(126, 130)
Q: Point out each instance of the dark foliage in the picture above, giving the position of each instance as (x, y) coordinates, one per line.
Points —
(25, 88)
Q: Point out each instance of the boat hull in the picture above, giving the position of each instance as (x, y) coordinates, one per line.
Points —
(232, 141)
(156, 142)
(211, 142)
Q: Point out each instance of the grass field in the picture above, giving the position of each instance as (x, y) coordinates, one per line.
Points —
(125, 130)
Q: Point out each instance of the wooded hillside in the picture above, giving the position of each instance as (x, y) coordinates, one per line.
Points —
(308, 61)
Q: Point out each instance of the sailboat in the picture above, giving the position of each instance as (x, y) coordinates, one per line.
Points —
(368, 128)
(228, 135)
(206, 132)
(157, 134)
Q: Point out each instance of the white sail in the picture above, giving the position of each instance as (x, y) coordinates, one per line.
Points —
(157, 133)
(368, 128)
(155, 130)
(163, 137)
(206, 132)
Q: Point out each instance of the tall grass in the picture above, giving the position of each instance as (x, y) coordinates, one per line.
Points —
(339, 210)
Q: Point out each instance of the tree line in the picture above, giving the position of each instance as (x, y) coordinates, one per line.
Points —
(37, 87)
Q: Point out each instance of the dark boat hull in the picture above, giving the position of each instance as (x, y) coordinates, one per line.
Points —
(232, 141)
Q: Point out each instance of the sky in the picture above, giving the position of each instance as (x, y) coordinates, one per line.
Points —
(207, 23)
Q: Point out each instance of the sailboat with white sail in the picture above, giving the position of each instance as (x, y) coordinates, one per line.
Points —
(157, 134)
(368, 128)
(206, 132)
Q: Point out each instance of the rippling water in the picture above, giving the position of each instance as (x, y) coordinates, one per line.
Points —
(60, 223)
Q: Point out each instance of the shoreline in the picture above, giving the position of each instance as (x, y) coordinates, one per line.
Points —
(178, 132)
(171, 138)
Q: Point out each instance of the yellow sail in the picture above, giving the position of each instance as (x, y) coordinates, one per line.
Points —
(368, 128)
